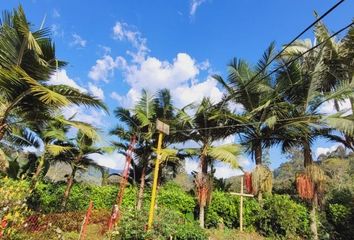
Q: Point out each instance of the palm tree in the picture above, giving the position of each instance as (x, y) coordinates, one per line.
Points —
(141, 121)
(307, 84)
(79, 157)
(55, 142)
(205, 128)
(27, 60)
(262, 108)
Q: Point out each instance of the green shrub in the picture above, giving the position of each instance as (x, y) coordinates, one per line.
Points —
(283, 218)
(48, 196)
(224, 210)
(13, 205)
(166, 224)
(340, 214)
(172, 196)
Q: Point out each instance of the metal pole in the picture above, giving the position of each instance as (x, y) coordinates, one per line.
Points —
(154, 185)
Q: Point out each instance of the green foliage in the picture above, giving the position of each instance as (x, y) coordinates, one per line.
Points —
(13, 207)
(283, 218)
(48, 196)
(224, 210)
(340, 214)
(166, 224)
(172, 196)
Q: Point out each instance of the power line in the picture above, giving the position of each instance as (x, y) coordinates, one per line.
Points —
(299, 35)
(308, 50)
(233, 125)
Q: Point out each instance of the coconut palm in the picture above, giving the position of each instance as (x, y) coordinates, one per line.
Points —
(141, 121)
(307, 84)
(55, 141)
(27, 60)
(204, 127)
(79, 156)
(262, 109)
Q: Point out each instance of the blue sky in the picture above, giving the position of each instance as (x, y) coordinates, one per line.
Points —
(115, 48)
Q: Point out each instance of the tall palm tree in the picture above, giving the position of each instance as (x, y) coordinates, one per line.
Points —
(203, 128)
(55, 141)
(262, 108)
(248, 86)
(141, 121)
(27, 60)
(307, 83)
(79, 157)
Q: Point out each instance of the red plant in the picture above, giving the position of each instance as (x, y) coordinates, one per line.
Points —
(305, 186)
(248, 182)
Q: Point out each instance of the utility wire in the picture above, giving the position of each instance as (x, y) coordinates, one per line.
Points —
(308, 50)
(234, 125)
(287, 63)
(299, 35)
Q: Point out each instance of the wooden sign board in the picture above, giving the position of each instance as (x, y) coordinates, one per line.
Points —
(162, 127)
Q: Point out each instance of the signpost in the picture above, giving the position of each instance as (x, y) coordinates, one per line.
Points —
(163, 129)
(241, 194)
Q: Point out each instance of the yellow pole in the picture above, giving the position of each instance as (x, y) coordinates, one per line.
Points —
(154, 185)
(241, 206)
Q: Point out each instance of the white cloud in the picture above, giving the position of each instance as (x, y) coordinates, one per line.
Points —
(113, 160)
(78, 41)
(187, 94)
(57, 30)
(123, 31)
(96, 91)
(55, 13)
(61, 77)
(179, 75)
(153, 74)
(91, 116)
(222, 170)
(328, 107)
(323, 150)
(104, 68)
(194, 4)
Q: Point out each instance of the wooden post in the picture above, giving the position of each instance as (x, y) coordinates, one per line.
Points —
(241, 194)
(82, 235)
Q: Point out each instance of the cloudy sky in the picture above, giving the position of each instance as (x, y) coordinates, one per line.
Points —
(116, 48)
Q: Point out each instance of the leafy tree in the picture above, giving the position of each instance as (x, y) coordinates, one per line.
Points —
(27, 62)
(203, 127)
(308, 83)
(79, 157)
(141, 121)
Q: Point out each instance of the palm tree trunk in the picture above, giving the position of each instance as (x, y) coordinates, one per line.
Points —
(258, 160)
(38, 170)
(141, 189)
(307, 162)
(307, 153)
(258, 154)
(69, 185)
(204, 175)
(201, 215)
(313, 217)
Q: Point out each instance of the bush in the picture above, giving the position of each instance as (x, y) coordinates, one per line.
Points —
(48, 196)
(172, 196)
(224, 210)
(340, 214)
(167, 224)
(13, 205)
(283, 218)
